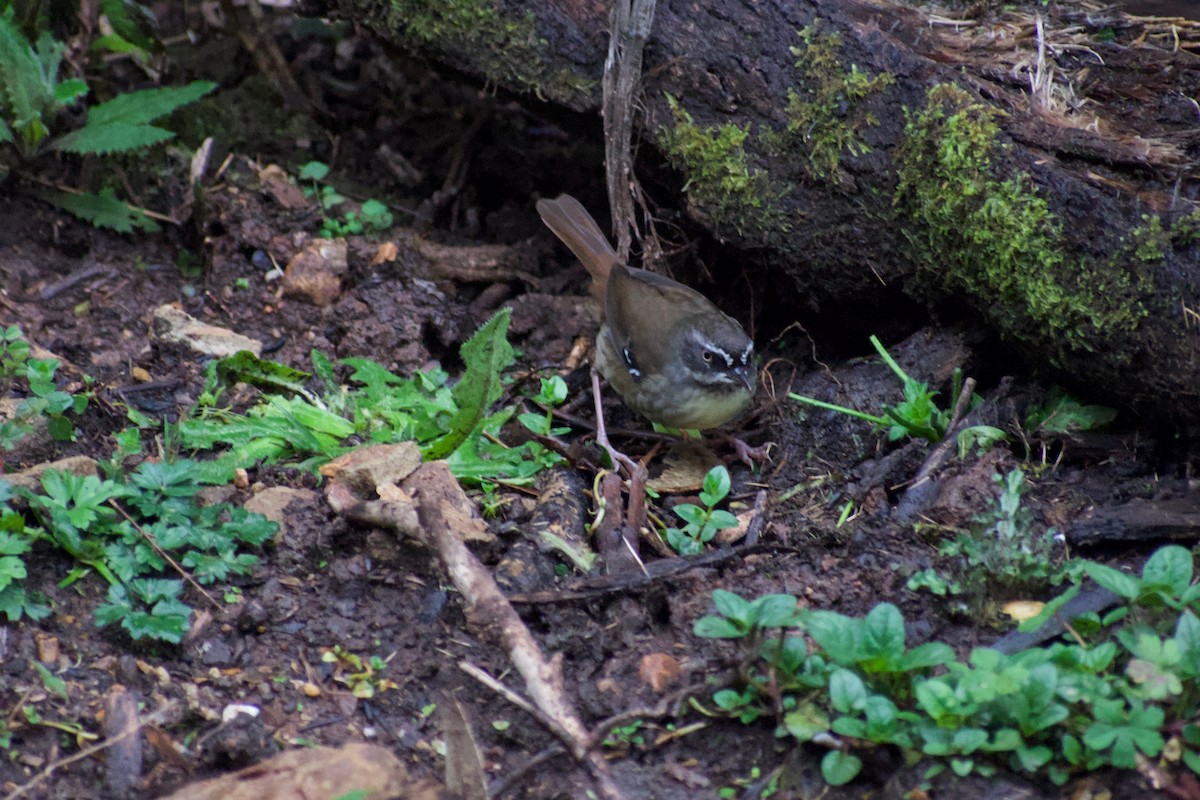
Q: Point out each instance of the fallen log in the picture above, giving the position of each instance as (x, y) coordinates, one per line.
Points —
(1034, 168)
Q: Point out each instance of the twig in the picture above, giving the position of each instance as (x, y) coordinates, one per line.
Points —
(148, 719)
(516, 699)
(630, 24)
(166, 557)
(438, 498)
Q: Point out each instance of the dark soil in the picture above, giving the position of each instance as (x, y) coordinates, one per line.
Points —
(326, 582)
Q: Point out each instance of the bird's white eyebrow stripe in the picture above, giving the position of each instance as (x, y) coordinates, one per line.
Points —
(746, 353)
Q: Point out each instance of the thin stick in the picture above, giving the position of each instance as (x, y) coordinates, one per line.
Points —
(149, 719)
(166, 557)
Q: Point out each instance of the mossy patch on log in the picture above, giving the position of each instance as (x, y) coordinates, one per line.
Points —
(506, 47)
(825, 114)
(720, 180)
(995, 241)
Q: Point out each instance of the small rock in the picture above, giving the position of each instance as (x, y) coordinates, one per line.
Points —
(315, 273)
(171, 324)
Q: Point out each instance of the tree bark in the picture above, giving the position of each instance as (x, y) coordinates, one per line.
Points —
(1035, 168)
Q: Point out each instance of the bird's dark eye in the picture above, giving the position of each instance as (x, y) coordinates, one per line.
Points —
(708, 356)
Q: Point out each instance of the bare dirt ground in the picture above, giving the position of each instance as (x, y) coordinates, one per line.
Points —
(326, 582)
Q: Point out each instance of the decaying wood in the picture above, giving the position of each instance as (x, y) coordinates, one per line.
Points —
(431, 494)
(1096, 116)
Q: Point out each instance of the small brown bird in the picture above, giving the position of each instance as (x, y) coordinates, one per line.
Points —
(672, 356)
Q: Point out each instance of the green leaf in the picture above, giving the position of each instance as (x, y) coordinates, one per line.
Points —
(836, 634)
(26, 92)
(772, 611)
(711, 627)
(1169, 566)
(271, 376)
(1114, 580)
(113, 137)
(147, 105)
(882, 644)
(313, 171)
(731, 605)
(486, 355)
(54, 684)
(847, 693)
(806, 721)
(103, 210)
(839, 768)
(716, 486)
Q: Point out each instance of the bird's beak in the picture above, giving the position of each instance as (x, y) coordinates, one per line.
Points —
(746, 375)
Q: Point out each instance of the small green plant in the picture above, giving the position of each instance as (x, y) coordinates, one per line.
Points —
(45, 399)
(32, 102)
(138, 533)
(1000, 556)
(1063, 414)
(624, 737)
(1095, 700)
(362, 676)
(457, 423)
(553, 393)
(702, 524)
(916, 414)
(371, 216)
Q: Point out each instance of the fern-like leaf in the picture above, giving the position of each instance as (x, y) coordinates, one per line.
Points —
(113, 137)
(23, 93)
(103, 210)
(148, 104)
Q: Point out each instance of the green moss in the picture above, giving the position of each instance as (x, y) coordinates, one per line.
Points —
(1150, 241)
(506, 48)
(720, 180)
(825, 113)
(994, 239)
(1186, 229)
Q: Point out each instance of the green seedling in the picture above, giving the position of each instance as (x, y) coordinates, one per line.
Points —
(1107, 696)
(917, 414)
(36, 375)
(361, 676)
(1000, 555)
(552, 395)
(702, 524)
(626, 736)
(371, 216)
(1063, 414)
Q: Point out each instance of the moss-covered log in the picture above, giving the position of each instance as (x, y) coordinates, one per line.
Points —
(1040, 171)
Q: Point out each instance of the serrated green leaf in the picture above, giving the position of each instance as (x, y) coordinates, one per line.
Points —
(486, 355)
(69, 91)
(147, 105)
(24, 93)
(110, 137)
(245, 367)
(103, 210)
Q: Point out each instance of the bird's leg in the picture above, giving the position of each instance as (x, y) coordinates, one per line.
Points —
(750, 456)
(619, 459)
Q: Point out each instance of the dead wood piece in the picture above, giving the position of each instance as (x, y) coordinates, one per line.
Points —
(123, 762)
(923, 489)
(1139, 520)
(486, 263)
(317, 772)
(488, 610)
(629, 28)
(444, 515)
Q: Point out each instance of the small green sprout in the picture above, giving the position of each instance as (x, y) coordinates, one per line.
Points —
(703, 523)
